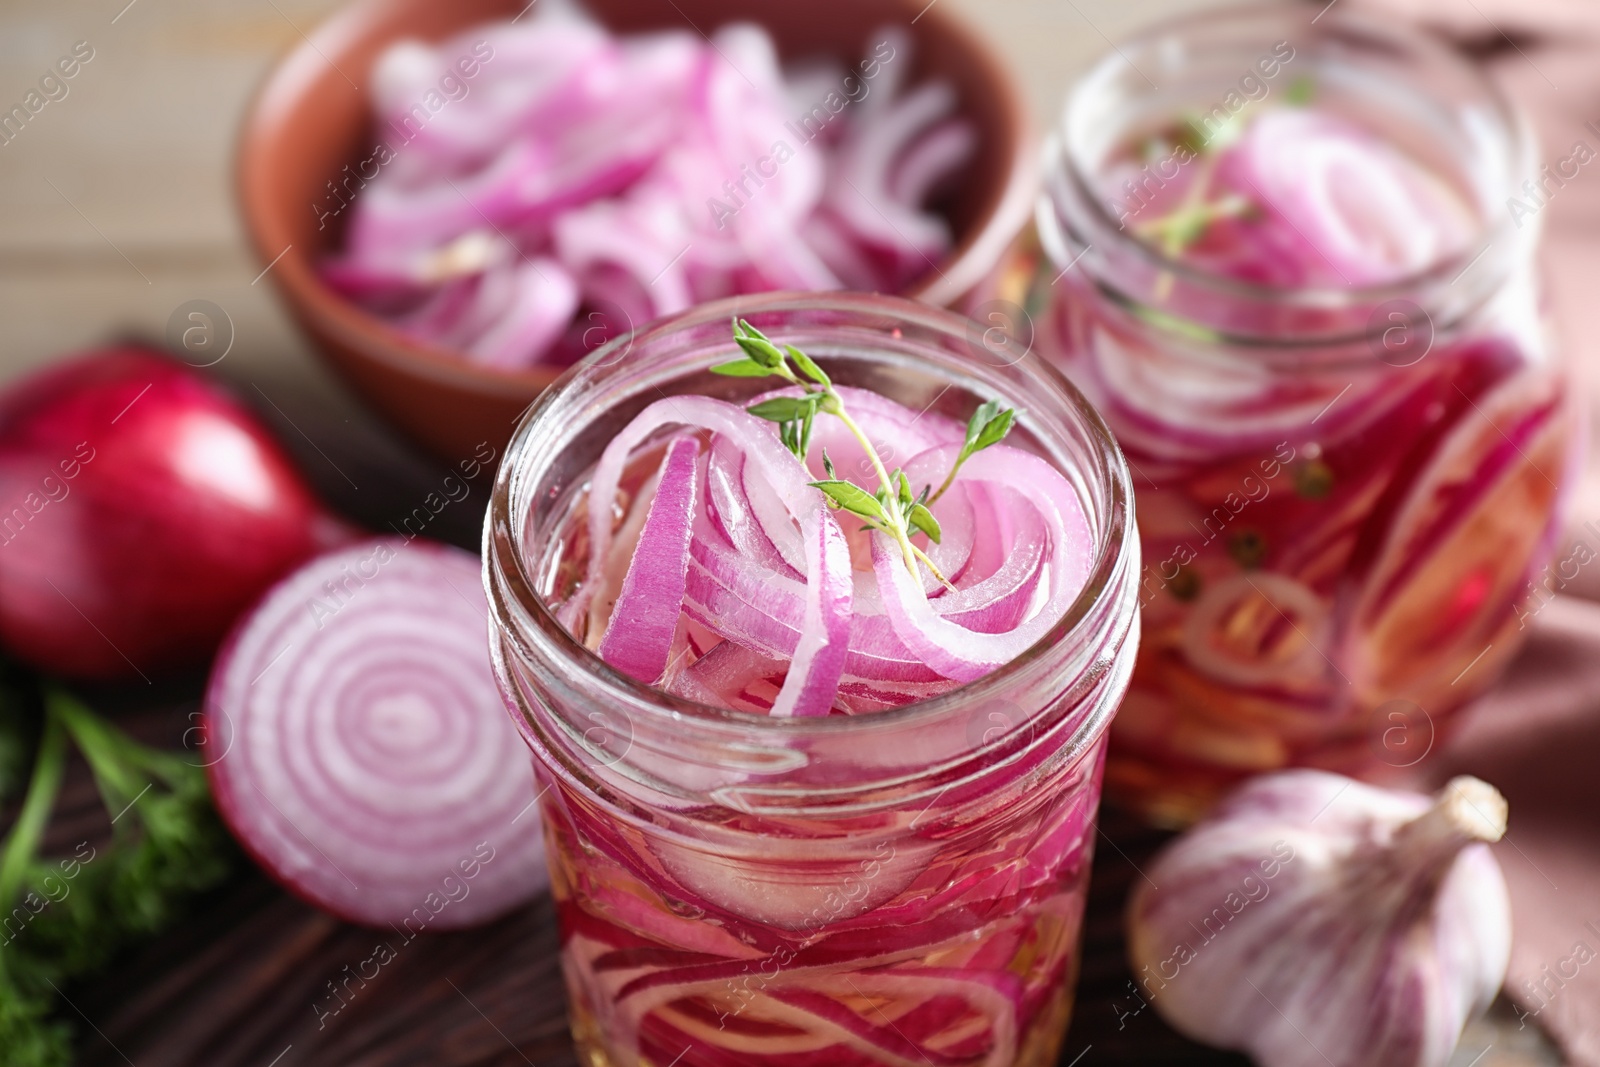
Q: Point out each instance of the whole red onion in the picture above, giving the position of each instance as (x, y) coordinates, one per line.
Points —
(141, 511)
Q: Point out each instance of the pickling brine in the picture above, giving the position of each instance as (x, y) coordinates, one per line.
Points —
(815, 636)
(1313, 326)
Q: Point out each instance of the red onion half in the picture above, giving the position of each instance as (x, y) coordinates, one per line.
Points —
(368, 763)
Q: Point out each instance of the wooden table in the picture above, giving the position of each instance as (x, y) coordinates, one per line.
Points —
(116, 208)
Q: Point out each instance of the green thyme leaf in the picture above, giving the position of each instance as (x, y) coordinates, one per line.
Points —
(756, 346)
(807, 367)
(906, 499)
(922, 519)
(761, 352)
(741, 368)
(851, 498)
(995, 430)
(980, 419)
(805, 431)
(827, 465)
(783, 409)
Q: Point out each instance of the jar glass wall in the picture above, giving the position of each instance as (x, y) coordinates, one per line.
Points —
(871, 889)
(1285, 270)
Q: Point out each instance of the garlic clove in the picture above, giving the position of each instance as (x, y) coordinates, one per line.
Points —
(1315, 921)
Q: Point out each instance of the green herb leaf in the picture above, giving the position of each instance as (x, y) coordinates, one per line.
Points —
(789, 434)
(906, 499)
(761, 352)
(783, 409)
(756, 346)
(922, 519)
(741, 368)
(995, 430)
(805, 432)
(166, 844)
(807, 367)
(980, 419)
(851, 498)
(827, 465)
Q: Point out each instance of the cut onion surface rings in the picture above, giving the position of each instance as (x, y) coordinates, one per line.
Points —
(369, 764)
(1258, 629)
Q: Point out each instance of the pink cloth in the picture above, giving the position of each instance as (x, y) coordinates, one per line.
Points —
(1537, 736)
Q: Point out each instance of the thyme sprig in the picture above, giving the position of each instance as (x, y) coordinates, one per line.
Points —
(893, 508)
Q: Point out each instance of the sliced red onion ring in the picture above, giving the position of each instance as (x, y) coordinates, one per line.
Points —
(733, 511)
(1258, 629)
(953, 650)
(728, 677)
(369, 764)
(638, 640)
(819, 656)
(824, 640)
(931, 160)
(764, 613)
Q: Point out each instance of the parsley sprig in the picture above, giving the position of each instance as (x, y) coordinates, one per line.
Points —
(893, 508)
(68, 917)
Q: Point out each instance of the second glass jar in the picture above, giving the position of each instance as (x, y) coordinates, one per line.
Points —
(1289, 279)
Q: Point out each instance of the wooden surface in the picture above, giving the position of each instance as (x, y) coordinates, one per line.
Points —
(116, 209)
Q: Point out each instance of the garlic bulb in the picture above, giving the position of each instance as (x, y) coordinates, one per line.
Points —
(1313, 921)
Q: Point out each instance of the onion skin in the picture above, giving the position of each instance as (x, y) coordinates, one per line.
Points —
(141, 511)
(1315, 920)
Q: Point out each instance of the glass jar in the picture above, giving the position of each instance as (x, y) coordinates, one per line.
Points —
(1348, 470)
(844, 890)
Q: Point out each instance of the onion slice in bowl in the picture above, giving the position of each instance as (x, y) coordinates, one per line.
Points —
(368, 762)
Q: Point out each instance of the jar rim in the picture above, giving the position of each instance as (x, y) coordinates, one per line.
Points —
(1518, 136)
(1112, 575)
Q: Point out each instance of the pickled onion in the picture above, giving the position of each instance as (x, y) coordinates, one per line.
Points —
(762, 566)
(953, 650)
(576, 173)
(638, 640)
